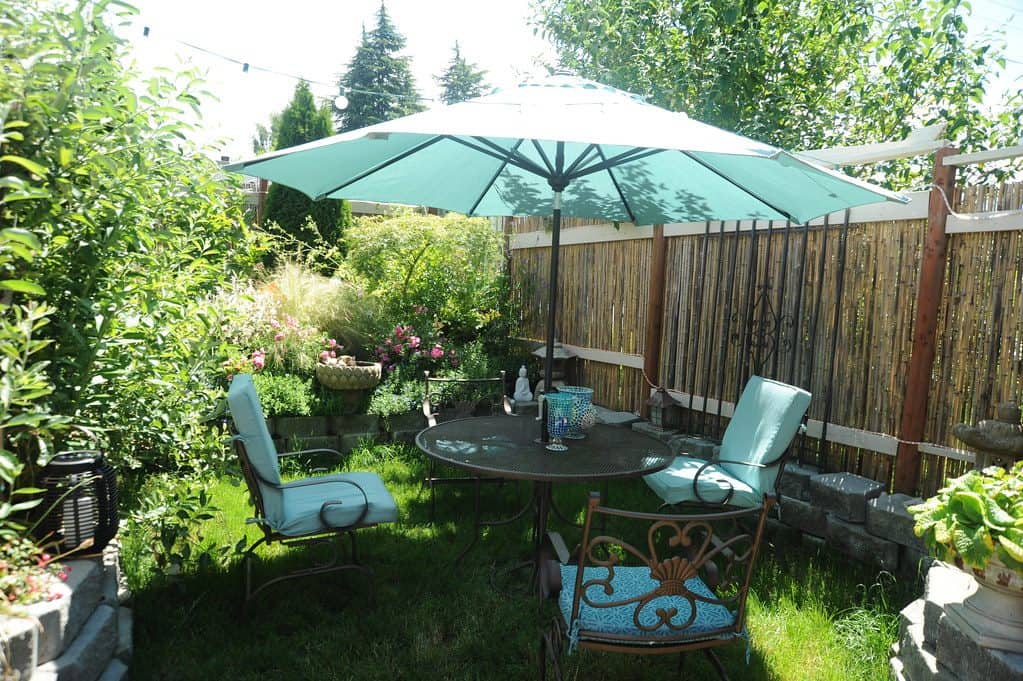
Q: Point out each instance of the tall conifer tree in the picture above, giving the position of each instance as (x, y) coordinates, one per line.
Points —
(302, 121)
(461, 80)
(378, 84)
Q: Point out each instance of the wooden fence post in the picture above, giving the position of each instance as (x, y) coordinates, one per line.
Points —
(654, 316)
(928, 303)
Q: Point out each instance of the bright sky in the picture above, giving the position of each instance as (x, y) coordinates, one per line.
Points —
(316, 39)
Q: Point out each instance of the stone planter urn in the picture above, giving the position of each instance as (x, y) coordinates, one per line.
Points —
(992, 615)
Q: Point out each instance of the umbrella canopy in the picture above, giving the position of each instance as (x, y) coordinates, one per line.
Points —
(565, 145)
(615, 157)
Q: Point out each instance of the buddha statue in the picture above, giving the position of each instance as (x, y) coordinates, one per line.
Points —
(522, 393)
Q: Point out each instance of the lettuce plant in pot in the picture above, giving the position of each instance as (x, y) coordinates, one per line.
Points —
(976, 524)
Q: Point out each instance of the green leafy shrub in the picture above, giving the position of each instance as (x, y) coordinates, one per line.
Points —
(450, 266)
(136, 229)
(284, 394)
(165, 530)
(979, 515)
(393, 397)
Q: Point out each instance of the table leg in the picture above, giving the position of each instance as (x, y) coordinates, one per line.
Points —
(478, 523)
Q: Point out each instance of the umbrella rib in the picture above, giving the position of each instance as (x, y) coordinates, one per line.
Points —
(584, 156)
(620, 159)
(382, 165)
(621, 195)
(543, 156)
(517, 160)
(493, 179)
(732, 182)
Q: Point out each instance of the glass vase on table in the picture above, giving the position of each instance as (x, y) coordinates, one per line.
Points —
(559, 413)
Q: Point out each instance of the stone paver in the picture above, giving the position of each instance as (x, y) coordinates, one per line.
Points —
(804, 517)
(844, 494)
(62, 618)
(887, 517)
(854, 540)
(794, 481)
(89, 654)
(616, 418)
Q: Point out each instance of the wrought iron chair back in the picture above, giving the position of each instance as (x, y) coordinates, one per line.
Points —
(447, 399)
(681, 586)
(458, 398)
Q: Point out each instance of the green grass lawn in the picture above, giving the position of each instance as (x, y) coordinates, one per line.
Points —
(811, 616)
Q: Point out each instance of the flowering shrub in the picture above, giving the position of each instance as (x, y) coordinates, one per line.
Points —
(405, 351)
(27, 575)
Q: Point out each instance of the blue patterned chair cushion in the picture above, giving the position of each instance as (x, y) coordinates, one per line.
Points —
(710, 619)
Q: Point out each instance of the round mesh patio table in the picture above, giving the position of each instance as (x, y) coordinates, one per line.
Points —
(503, 446)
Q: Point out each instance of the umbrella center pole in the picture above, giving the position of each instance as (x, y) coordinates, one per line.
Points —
(552, 298)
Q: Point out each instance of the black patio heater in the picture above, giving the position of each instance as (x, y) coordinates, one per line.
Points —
(80, 502)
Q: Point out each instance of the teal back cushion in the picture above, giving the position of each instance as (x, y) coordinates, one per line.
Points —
(247, 414)
(766, 419)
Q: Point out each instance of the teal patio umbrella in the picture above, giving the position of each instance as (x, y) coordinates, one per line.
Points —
(564, 145)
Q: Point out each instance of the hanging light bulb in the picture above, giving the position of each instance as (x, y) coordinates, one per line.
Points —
(341, 102)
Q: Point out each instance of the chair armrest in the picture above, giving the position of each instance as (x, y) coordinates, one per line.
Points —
(696, 486)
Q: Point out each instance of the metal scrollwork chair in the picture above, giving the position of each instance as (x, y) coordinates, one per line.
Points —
(752, 455)
(686, 591)
(317, 510)
(447, 399)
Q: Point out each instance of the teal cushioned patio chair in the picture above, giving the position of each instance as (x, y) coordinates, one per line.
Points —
(320, 509)
(766, 419)
(678, 586)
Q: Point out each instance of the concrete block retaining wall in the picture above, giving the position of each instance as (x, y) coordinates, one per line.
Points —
(84, 635)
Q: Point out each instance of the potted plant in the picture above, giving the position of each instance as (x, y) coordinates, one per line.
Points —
(976, 524)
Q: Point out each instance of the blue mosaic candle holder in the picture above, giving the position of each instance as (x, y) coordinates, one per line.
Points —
(559, 413)
(582, 404)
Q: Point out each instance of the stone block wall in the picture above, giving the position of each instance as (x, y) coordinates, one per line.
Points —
(931, 647)
(84, 635)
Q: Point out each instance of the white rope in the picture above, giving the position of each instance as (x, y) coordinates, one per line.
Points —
(975, 216)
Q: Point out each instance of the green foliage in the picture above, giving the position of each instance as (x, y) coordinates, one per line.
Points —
(335, 308)
(378, 83)
(797, 75)
(977, 516)
(450, 265)
(166, 530)
(284, 394)
(460, 80)
(137, 228)
(393, 397)
(300, 122)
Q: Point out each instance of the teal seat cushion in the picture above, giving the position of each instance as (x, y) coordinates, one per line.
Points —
(712, 620)
(765, 420)
(304, 499)
(247, 414)
(674, 484)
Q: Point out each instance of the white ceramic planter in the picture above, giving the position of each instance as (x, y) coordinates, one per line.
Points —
(992, 614)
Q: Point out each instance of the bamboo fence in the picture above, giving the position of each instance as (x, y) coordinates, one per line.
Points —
(845, 328)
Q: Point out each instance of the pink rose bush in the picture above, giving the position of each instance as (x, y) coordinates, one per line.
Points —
(405, 350)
